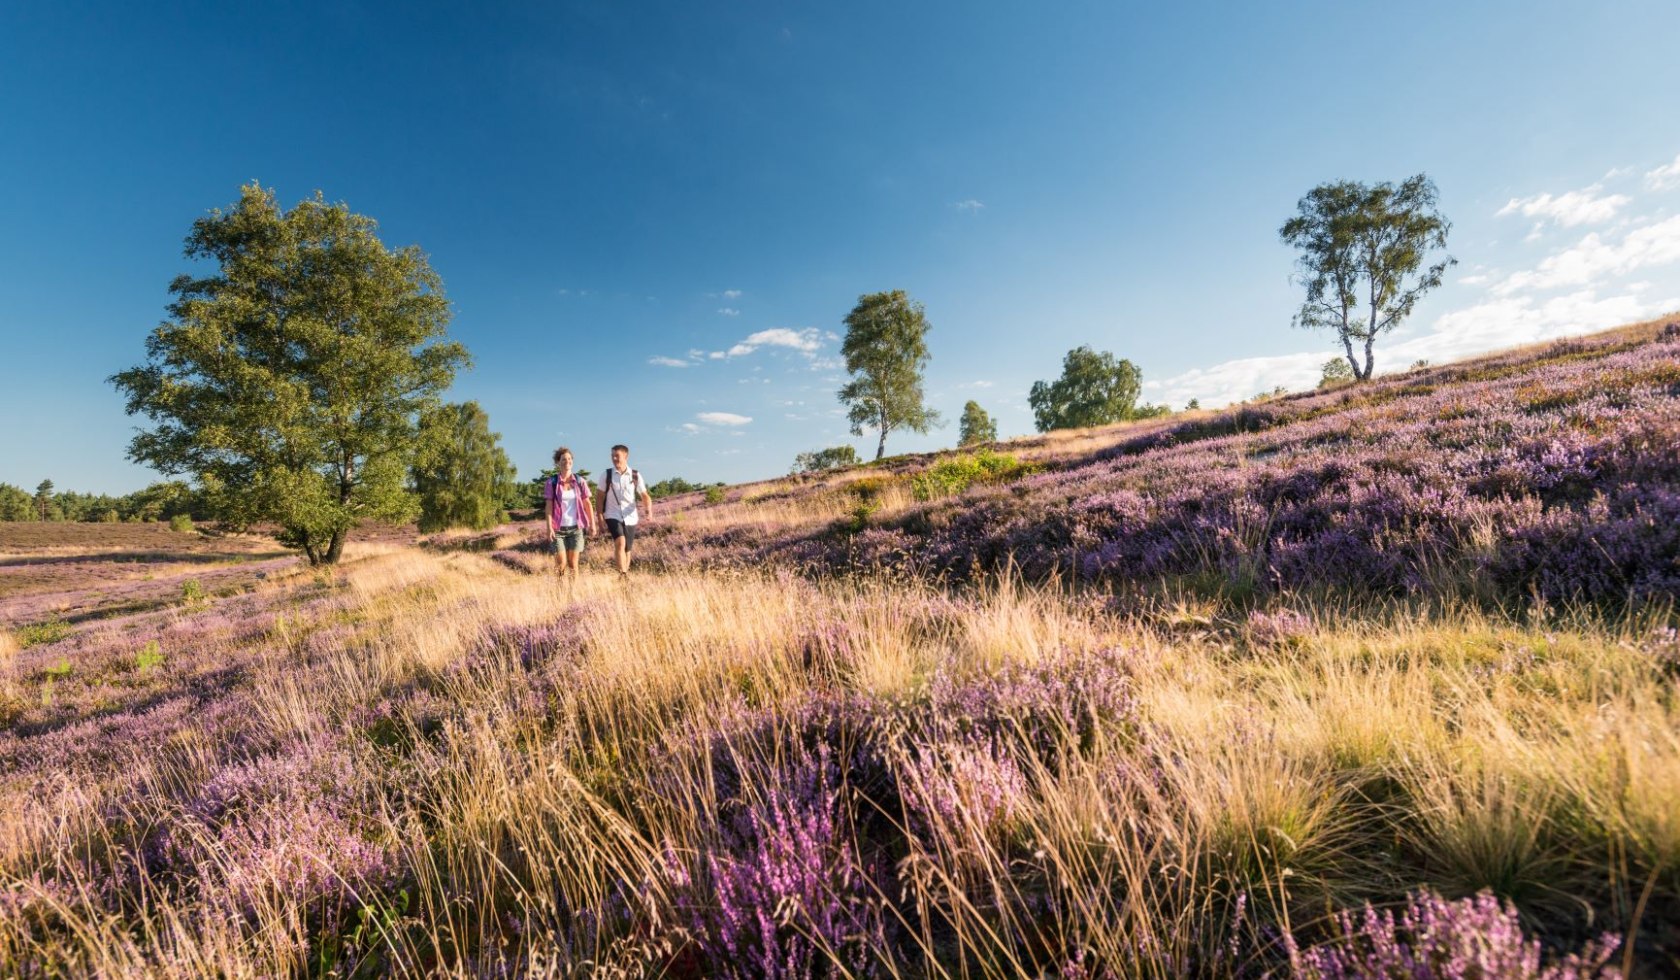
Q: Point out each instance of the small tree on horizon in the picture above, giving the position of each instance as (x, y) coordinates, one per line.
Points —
(1362, 253)
(1336, 371)
(976, 426)
(289, 380)
(886, 351)
(825, 459)
(1095, 389)
(46, 508)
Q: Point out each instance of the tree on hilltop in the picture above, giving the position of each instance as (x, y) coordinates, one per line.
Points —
(976, 426)
(886, 351)
(1336, 371)
(290, 380)
(1362, 254)
(825, 459)
(1095, 389)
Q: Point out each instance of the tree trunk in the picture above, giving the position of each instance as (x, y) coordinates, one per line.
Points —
(881, 448)
(335, 548)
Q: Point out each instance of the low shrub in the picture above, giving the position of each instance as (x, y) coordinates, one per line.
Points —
(949, 477)
(181, 524)
(37, 634)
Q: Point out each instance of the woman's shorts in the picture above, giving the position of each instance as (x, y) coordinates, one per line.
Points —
(569, 538)
(619, 529)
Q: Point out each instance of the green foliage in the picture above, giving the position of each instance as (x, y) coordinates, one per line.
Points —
(193, 594)
(1193, 405)
(60, 670)
(463, 477)
(676, 485)
(1094, 389)
(868, 492)
(290, 379)
(825, 459)
(1336, 371)
(16, 504)
(886, 352)
(163, 501)
(47, 508)
(714, 494)
(148, 657)
(976, 426)
(37, 634)
(181, 524)
(949, 477)
(1364, 243)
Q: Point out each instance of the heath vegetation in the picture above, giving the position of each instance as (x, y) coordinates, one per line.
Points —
(1376, 682)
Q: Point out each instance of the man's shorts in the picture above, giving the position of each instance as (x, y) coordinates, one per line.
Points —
(619, 529)
(569, 538)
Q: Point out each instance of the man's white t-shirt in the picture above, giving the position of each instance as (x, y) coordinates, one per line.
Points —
(621, 493)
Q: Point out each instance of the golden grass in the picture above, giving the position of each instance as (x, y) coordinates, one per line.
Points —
(1475, 753)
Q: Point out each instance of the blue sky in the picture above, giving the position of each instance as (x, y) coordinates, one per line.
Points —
(610, 190)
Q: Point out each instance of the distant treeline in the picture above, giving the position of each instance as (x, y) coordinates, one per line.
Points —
(158, 502)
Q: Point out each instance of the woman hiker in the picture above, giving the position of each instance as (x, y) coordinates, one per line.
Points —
(570, 511)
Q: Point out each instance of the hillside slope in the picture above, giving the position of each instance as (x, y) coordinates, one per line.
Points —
(1552, 470)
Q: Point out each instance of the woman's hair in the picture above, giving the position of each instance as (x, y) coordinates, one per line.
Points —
(562, 451)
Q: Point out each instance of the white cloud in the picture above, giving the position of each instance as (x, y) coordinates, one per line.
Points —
(716, 355)
(974, 384)
(723, 418)
(970, 205)
(668, 362)
(807, 341)
(690, 428)
(1582, 207)
(1507, 321)
(1664, 177)
(731, 294)
(728, 311)
(1235, 380)
(1592, 258)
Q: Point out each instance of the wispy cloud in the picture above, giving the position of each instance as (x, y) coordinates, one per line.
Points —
(1594, 258)
(970, 205)
(1583, 207)
(973, 384)
(807, 341)
(731, 294)
(728, 311)
(668, 362)
(723, 418)
(1664, 177)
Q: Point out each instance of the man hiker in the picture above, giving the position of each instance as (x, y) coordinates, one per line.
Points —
(570, 509)
(621, 489)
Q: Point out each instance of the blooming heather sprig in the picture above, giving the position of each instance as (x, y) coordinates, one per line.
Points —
(1476, 938)
(784, 891)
